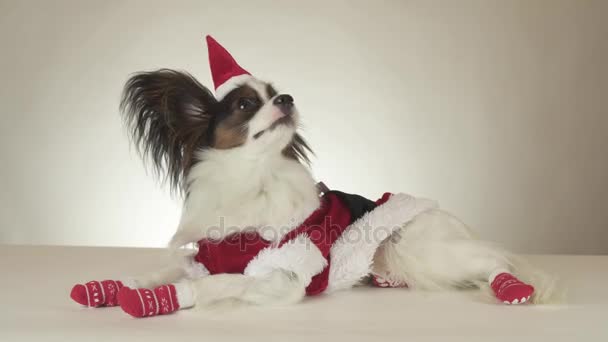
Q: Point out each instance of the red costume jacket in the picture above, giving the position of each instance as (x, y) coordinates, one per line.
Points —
(323, 227)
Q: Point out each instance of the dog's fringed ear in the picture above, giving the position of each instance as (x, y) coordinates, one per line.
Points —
(168, 114)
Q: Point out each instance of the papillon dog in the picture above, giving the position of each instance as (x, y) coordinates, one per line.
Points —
(265, 231)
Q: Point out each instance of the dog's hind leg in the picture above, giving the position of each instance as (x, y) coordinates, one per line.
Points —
(437, 251)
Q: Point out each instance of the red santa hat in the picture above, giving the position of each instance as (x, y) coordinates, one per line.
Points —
(227, 74)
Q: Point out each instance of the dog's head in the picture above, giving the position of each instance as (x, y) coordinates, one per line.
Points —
(255, 116)
(172, 117)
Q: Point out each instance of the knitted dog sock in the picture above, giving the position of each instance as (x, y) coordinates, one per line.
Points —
(162, 300)
(97, 293)
(508, 289)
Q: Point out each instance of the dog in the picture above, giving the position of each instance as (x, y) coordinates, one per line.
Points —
(266, 232)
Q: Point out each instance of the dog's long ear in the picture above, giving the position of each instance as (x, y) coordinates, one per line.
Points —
(168, 114)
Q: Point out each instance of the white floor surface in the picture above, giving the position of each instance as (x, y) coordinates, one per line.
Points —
(35, 306)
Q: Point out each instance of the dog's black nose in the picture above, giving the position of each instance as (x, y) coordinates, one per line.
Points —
(285, 103)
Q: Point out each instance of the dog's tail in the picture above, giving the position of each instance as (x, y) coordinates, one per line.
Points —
(548, 288)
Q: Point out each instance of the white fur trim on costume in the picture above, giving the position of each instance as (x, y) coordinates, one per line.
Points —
(352, 254)
(299, 255)
(231, 84)
(193, 268)
(184, 294)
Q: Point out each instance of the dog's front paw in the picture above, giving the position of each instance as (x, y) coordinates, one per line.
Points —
(97, 293)
(145, 303)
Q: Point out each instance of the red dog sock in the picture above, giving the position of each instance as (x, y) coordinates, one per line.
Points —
(97, 293)
(144, 302)
(510, 290)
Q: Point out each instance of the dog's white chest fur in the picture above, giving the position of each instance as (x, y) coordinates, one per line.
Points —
(227, 195)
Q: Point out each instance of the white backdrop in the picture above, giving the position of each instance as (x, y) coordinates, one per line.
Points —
(498, 109)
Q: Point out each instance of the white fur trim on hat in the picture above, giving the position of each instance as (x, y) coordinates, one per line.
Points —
(233, 83)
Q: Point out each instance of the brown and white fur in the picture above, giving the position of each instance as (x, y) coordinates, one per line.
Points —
(240, 160)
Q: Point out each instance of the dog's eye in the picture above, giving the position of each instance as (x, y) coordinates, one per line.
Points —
(246, 104)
